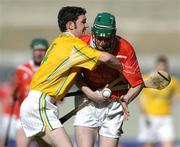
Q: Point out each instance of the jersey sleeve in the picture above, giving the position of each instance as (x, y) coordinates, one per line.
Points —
(131, 68)
(23, 78)
(84, 56)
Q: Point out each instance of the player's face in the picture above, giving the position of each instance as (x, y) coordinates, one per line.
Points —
(103, 43)
(80, 26)
(38, 56)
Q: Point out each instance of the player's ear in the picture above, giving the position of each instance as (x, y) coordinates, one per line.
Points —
(70, 25)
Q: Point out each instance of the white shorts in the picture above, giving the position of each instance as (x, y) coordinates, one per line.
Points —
(37, 113)
(156, 128)
(4, 121)
(108, 117)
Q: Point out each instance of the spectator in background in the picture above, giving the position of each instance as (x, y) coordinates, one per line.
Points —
(156, 123)
(24, 75)
(8, 109)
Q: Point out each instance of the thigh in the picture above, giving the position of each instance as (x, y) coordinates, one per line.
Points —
(146, 131)
(108, 141)
(113, 121)
(85, 136)
(165, 130)
(21, 139)
(55, 138)
(88, 117)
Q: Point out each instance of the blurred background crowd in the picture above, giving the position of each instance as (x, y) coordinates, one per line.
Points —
(151, 26)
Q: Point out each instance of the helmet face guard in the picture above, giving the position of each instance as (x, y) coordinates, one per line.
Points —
(104, 26)
(104, 43)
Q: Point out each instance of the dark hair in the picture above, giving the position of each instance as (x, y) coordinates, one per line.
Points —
(69, 13)
(162, 59)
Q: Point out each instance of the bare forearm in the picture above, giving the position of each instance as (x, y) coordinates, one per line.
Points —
(111, 61)
(133, 93)
(82, 85)
(88, 92)
(114, 63)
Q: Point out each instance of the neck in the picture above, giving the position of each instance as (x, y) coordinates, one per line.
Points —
(69, 33)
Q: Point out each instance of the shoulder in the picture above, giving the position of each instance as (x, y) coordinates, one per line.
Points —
(81, 42)
(86, 38)
(125, 43)
(124, 48)
(174, 81)
(26, 67)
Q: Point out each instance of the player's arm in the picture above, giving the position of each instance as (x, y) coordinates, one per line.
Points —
(111, 61)
(132, 93)
(129, 97)
(92, 95)
(105, 57)
(133, 75)
(91, 56)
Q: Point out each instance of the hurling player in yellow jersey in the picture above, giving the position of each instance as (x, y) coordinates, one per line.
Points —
(156, 124)
(65, 57)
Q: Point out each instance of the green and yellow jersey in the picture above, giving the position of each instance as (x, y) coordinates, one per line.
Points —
(63, 60)
(158, 102)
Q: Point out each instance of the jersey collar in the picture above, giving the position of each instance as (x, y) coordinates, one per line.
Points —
(68, 33)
